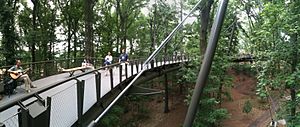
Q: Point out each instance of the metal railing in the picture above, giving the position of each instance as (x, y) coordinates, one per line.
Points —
(84, 97)
(43, 69)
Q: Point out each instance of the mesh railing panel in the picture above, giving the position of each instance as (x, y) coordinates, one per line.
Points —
(12, 121)
(9, 117)
(64, 107)
(89, 93)
(105, 83)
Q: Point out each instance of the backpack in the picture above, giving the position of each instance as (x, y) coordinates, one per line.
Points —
(9, 85)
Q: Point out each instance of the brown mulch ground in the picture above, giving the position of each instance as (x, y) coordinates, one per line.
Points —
(243, 90)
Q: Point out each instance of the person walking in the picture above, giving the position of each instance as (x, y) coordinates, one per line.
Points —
(123, 59)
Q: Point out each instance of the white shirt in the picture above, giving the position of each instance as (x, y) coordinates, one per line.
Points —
(108, 58)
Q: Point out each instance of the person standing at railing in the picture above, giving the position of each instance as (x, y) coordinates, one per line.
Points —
(17, 73)
(108, 60)
(123, 59)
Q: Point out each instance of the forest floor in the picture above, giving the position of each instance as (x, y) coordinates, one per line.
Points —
(243, 89)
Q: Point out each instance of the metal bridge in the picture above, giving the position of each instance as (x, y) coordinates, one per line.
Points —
(61, 101)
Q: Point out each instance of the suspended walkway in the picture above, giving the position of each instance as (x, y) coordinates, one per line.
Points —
(61, 101)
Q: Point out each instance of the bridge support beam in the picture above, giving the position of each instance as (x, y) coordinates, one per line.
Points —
(206, 65)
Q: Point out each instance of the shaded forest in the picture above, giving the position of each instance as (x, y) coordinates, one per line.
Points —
(40, 30)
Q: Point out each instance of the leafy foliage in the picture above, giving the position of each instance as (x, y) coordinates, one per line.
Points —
(247, 108)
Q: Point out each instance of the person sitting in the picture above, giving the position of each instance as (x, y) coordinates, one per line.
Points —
(86, 62)
(108, 60)
(19, 74)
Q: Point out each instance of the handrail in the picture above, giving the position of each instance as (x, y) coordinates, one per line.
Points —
(49, 61)
(150, 58)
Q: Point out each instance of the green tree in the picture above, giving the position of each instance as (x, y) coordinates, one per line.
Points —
(7, 28)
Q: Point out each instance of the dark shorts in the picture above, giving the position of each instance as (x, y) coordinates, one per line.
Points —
(107, 63)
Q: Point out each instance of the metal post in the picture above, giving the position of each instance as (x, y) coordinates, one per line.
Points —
(126, 70)
(206, 65)
(152, 64)
(141, 66)
(98, 86)
(137, 66)
(23, 116)
(111, 78)
(131, 67)
(80, 95)
(120, 72)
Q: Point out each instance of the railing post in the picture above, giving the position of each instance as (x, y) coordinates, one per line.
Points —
(80, 96)
(98, 86)
(111, 78)
(23, 116)
(120, 72)
(137, 66)
(131, 67)
(141, 65)
(152, 63)
(126, 70)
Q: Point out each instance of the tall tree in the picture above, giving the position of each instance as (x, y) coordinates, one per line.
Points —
(89, 14)
(204, 19)
(7, 27)
(128, 10)
(34, 29)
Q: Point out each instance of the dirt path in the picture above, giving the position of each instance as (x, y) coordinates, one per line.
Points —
(243, 90)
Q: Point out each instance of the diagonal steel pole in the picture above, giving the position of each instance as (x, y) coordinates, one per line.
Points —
(206, 65)
(150, 58)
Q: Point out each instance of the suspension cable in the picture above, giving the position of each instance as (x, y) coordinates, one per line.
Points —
(150, 58)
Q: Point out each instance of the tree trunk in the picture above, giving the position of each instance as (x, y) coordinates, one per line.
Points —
(231, 45)
(294, 67)
(69, 20)
(9, 36)
(204, 26)
(88, 9)
(118, 28)
(34, 24)
(131, 46)
(75, 30)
